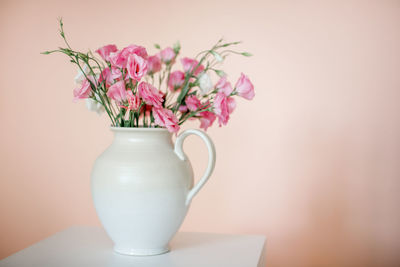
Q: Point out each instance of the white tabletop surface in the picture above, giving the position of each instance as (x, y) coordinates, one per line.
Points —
(90, 246)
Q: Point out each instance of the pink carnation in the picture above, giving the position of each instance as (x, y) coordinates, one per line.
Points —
(176, 80)
(221, 108)
(106, 76)
(167, 55)
(231, 104)
(190, 65)
(85, 89)
(224, 86)
(166, 118)
(244, 87)
(154, 64)
(117, 91)
(183, 108)
(110, 76)
(192, 102)
(136, 66)
(116, 61)
(150, 94)
(133, 101)
(105, 51)
(134, 49)
(120, 58)
(116, 73)
(207, 118)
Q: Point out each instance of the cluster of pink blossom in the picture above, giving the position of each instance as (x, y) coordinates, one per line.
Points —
(125, 88)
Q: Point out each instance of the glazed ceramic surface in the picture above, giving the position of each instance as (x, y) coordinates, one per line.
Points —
(142, 186)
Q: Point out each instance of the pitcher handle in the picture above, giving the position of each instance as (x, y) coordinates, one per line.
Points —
(211, 159)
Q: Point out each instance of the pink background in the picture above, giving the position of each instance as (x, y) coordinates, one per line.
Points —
(312, 162)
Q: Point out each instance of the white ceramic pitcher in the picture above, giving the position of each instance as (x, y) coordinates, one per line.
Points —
(142, 186)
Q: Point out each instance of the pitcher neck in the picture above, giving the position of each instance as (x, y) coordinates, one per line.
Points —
(128, 136)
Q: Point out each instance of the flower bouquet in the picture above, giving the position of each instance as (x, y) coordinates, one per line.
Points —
(142, 184)
(138, 90)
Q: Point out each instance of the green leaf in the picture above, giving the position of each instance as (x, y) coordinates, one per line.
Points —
(157, 46)
(45, 52)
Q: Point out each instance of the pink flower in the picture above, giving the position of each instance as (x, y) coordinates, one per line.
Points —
(106, 76)
(244, 87)
(116, 61)
(224, 86)
(105, 51)
(231, 104)
(192, 102)
(116, 73)
(120, 58)
(133, 101)
(190, 65)
(154, 64)
(85, 89)
(150, 94)
(183, 108)
(134, 49)
(207, 118)
(176, 80)
(117, 91)
(165, 118)
(167, 55)
(136, 66)
(221, 108)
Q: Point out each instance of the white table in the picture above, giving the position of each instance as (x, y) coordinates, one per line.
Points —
(90, 246)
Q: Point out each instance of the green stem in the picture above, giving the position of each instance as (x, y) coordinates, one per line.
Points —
(144, 119)
(192, 114)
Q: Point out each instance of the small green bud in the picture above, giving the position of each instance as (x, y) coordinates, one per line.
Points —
(45, 52)
(246, 54)
(220, 73)
(157, 46)
(228, 44)
(177, 47)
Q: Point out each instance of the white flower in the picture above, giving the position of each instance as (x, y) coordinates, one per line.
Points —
(94, 106)
(205, 83)
(80, 77)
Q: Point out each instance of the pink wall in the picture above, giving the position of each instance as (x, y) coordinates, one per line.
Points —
(313, 162)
